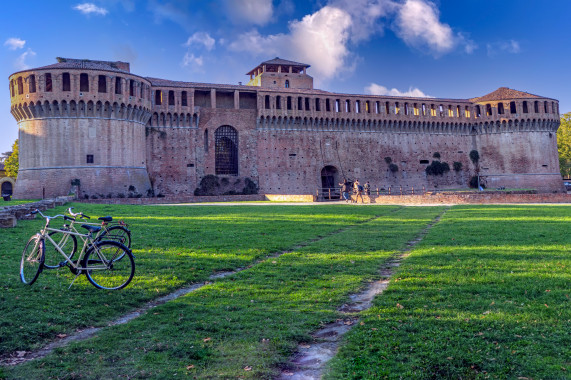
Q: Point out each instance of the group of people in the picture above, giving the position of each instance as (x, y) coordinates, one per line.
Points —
(358, 190)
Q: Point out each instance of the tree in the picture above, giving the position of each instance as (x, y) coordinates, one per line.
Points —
(11, 164)
(564, 144)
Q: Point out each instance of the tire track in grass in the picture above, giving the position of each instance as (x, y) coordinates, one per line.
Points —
(310, 360)
(20, 357)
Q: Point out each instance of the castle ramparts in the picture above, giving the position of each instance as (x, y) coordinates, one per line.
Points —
(96, 124)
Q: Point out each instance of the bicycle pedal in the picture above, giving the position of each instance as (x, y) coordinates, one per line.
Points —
(62, 264)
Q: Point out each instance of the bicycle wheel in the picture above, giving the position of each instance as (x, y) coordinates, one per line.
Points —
(32, 260)
(67, 243)
(119, 234)
(104, 270)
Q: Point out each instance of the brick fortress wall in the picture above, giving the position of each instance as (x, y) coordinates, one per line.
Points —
(160, 135)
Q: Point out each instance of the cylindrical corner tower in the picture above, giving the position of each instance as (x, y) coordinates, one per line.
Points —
(81, 122)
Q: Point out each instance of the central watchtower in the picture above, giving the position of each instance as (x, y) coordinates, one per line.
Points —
(281, 73)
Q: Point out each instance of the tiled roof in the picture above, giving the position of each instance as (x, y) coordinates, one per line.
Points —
(84, 64)
(285, 62)
(504, 93)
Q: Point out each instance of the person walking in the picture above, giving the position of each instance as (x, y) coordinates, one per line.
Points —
(358, 188)
(345, 190)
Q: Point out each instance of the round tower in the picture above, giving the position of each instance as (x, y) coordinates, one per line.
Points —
(81, 123)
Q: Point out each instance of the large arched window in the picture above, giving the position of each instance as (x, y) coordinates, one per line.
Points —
(226, 150)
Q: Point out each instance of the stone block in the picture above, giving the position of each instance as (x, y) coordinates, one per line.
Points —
(7, 221)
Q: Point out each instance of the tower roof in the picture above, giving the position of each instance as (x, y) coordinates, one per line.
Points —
(504, 93)
(279, 62)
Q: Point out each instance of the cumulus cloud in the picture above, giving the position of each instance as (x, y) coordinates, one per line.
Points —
(368, 17)
(191, 60)
(201, 38)
(21, 63)
(90, 8)
(377, 89)
(510, 46)
(319, 39)
(14, 43)
(418, 24)
(256, 12)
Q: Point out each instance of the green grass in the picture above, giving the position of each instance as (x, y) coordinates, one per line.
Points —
(255, 319)
(14, 202)
(174, 246)
(485, 295)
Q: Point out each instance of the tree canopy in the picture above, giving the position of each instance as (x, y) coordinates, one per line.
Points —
(564, 145)
(11, 164)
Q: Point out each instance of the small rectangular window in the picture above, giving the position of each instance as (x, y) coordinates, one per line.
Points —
(158, 97)
(83, 83)
(48, 82)
(317, 105)
(184, 99)
(89, 158)
(171, 98)
(131, 87)
(32, 83)
(327, 105)
(102, 84)
(66, 83)
(20, 86)
(289, 102)
(118, 85)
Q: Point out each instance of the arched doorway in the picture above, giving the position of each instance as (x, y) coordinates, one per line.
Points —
(6, 188)
(226, 150)
(329, 177)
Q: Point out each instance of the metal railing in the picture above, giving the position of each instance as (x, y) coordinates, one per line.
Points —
(334, 193)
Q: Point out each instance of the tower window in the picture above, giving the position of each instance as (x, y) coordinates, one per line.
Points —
(184, 99)
(158, 97)
(83, 83)
(287, 83)
(66, 83)
(118, 85)
(32, 83)
(102, 84)
(89, 159)
(131, 87)
(48, 82)
(171, 98)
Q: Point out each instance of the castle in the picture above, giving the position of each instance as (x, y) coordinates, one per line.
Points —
(97, 125)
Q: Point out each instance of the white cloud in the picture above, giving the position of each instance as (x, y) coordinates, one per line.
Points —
(14, 43)
(319, 39)
(256, 12)
(89, 8)
(510, 46)
(418, 24)
(201, 38)
(190, 60)
(377, 89)
(21, 63)
(367, 16)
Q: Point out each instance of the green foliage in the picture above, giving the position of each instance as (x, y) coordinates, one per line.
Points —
(75, 182)
(208, 185)
(436, 155)
(11, 164)
(388, 160)
(250, 188)
(474, 156)
(457, 166)
(564, 145)
(393, 168)
(437, 168)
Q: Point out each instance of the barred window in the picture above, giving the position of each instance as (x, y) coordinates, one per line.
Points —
(226, 150)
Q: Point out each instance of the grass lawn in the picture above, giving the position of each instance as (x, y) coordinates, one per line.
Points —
(484, 294)
(14, 202)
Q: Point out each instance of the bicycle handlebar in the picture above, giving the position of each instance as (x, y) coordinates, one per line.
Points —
(37, 211)
(79, 214)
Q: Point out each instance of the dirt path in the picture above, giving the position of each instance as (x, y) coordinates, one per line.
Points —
(310, 360)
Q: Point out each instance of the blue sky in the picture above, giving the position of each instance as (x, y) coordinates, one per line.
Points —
(439, 48)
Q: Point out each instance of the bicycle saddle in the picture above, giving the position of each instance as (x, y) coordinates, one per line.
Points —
(106, 218)
(91, 228)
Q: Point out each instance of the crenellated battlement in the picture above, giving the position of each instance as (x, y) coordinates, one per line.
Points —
(113, 130)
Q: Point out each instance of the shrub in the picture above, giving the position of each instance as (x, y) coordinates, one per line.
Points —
(388, 160)
(250, 188)
(393, 168)
(437, 168)
(474, 156)
(436, 155)
(121, 195)
(131, 188)
(75, 182)
(457, 166)
(224, 181)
